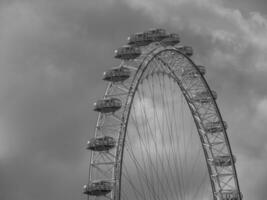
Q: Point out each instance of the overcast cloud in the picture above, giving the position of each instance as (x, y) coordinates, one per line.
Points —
(53, 53)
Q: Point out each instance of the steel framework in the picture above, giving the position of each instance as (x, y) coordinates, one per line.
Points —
(155, 58)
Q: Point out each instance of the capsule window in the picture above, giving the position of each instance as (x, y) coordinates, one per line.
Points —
(139, 36)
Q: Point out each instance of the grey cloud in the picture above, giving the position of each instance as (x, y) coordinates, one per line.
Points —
(53, 54)
(247, 5)
(52, 60)
(235, 75)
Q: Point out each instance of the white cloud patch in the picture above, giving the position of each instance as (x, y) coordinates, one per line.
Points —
(262, 108)
(212, 18)
(233, 45)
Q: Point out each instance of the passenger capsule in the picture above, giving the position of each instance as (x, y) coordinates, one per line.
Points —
(171, 39)
(127, 52)
(223, 161)
(98, 188)
(202, 69)
(230, 195)
(156, 35)
(118, 74)
(107, 105)
(186, 50)
(192, 73)
(204, 97)
(139, 39)
(215, 127)
(104, 143)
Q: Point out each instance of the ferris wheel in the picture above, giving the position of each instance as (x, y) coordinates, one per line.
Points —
(159, 133)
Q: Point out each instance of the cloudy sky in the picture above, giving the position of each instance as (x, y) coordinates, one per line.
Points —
(53, 53)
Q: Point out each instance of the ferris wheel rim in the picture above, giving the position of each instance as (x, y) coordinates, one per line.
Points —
(213, 102)
(169, 77)
(131, 93)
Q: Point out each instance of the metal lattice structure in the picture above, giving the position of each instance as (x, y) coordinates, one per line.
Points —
(153, 61)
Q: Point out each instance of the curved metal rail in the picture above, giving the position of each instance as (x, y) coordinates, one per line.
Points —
(107, 165)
